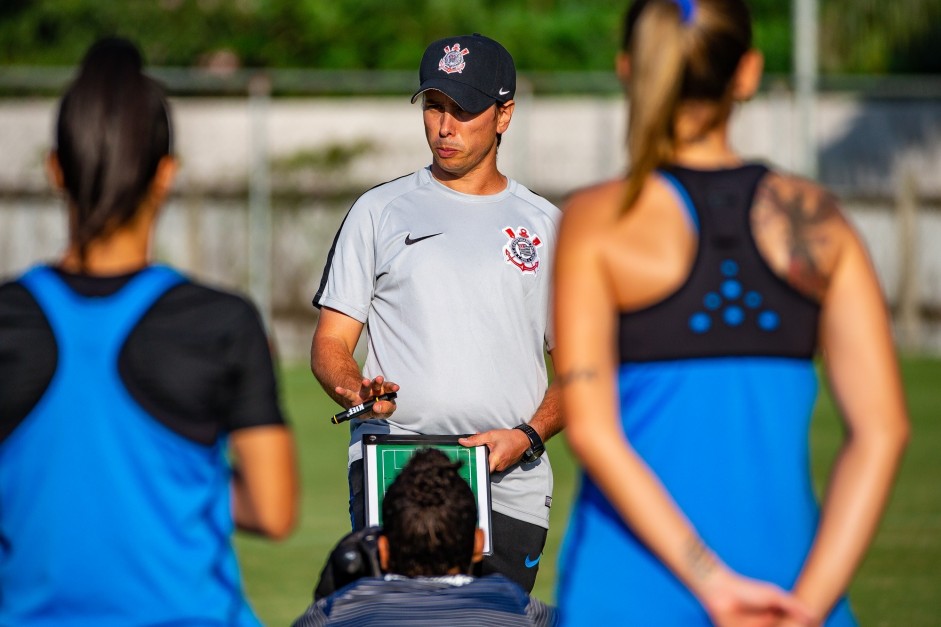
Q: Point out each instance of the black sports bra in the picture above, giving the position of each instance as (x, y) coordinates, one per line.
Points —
(732, 303)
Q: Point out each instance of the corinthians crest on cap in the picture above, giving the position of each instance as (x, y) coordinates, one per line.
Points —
(453, 59)
(521, 249)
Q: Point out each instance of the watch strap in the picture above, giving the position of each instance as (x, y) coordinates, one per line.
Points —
(536, 445)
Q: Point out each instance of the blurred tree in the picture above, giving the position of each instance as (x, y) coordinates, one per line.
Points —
(549, 35)
(543, 34)
(876, 37)
(772, 33)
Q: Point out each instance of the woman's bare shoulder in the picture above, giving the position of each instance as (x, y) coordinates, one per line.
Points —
(799, 194)
(801, 229)
(599, 202)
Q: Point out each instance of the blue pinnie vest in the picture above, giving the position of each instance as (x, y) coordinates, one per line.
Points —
(106, 516)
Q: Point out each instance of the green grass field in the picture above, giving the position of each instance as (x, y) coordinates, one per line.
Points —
(898, 584)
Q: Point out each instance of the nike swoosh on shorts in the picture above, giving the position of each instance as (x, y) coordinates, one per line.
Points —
(531, 563)
(409, 241)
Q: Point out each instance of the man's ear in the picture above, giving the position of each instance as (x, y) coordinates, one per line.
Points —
(382, 543)
(622, 65)
(504, 115)
(748, 75)
(54, 170)
(478, 546)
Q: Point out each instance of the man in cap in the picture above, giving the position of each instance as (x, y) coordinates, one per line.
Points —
(449, 270)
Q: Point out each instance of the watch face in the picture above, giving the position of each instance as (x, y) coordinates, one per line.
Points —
(531, 455)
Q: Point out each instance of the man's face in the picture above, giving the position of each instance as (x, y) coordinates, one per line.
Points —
(461, 142)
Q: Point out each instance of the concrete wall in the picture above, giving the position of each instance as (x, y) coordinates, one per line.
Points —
(554, 145)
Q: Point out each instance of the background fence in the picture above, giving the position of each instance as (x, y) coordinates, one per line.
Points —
(271, 162)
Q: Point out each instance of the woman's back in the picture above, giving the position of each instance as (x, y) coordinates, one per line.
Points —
(708, 336)
(795, 224)
(132, 441)
(685, 346)
(114, 484)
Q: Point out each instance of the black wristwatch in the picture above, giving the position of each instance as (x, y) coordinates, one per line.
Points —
(536, 447)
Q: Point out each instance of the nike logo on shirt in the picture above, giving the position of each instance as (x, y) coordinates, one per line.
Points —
(530, 563)
(409, 241)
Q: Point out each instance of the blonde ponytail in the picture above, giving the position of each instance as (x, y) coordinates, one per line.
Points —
(679, 50)
(658, 60)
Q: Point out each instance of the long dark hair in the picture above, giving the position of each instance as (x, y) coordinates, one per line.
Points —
(679, 50)
(113, 129)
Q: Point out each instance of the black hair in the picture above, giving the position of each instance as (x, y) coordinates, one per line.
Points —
(112, 131)
(429, 516)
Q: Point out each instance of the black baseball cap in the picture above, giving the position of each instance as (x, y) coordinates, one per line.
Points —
(472, 70)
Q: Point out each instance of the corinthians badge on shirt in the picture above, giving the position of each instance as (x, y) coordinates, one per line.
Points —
(521, 249)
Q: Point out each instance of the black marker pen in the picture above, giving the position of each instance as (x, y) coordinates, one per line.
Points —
(362, 408)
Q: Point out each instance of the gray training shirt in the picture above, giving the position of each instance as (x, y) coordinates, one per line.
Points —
(454, 291)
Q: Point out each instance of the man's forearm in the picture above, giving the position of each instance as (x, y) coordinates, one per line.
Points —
(333, 366)
(548, 421)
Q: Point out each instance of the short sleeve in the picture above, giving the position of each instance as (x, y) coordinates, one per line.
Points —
(28, 355)
(550, 327)
(200, 363)
(349, 275)
(255, 400)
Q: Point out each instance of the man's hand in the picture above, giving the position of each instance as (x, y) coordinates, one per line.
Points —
(370, 389)
(506, 446)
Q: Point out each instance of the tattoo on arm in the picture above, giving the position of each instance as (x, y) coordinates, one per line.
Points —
(584, 374)
(699, 558)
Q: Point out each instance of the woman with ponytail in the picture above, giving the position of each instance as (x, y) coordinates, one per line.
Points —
(691, 299)
(125, 390)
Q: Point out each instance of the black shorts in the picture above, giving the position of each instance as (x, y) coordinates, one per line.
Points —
(517, 545)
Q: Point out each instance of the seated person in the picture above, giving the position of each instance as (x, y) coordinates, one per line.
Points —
(427, 546)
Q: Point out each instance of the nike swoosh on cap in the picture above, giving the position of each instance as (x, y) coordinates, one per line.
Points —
(409, 241)
(503, 92)
(531, 563)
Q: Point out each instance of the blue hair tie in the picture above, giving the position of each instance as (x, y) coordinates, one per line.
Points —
(687, 10)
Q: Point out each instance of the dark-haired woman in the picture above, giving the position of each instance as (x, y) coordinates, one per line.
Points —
(124, 388)
(691, 299)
